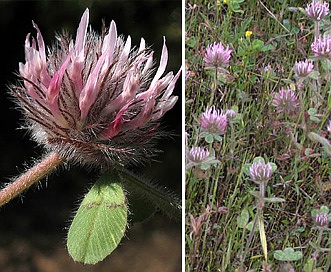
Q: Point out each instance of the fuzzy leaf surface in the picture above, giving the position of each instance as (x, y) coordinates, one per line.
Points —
(100, 221)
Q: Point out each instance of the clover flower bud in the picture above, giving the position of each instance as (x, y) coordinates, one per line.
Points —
(317, 10)
(214, 121)
(303, 68)
(321, 216)
(92, 99)
(217, 55)
(285, 101)
(231, 114)
(260, 172)
(321, 219)
(198, 154)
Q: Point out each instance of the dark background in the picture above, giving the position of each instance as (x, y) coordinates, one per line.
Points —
(33, 227)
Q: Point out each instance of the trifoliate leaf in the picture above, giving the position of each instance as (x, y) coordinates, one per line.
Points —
(242, 219)
(288, 254)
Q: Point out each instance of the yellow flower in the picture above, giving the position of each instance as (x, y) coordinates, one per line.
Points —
(248, 33)
(225, 1)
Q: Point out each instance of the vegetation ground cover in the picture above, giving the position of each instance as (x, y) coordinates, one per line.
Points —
(231, 224)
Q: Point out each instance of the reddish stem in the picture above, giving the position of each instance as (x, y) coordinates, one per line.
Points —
(36, 173)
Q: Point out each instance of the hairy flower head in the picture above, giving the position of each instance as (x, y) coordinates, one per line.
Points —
(317, 10)
(217, 55)
(214, 121)
(285, 101)
(93, 99)
(321, 46)
(303, 68)
(260, 171)
(321, 216)
(198, 154)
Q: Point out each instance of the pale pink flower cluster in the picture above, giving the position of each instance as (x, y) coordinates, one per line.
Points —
(198, 154)
(321, 46)
(231, 114)
(214, 121)
(260, 171)
(303, 68)
(217, 55)
(285, 101)
(93, 99)
(317, 10)
(321, 218)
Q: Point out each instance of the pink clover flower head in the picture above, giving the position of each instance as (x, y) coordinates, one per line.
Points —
(303, 68)
(317, 10)
(198, 154)
(321, 216)
(217, 55)
(231, 114)
(285, 101)
(93, 99)
(260, 171)
(321, 219)
(321, 46)
(214, 121)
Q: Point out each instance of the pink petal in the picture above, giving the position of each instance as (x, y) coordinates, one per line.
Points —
(89, 93)
(143, 117)
(108, 46)
(78, 57)
(115, 126)
(142, 45)
(171, 86)
(148, 64)
(163, 107)
(163, 63)
(55, 86)
(130, 88)
(81, 32)
(124, 55)
(155, 88)
(41, 44)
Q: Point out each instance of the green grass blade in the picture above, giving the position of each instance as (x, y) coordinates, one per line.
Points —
(263, 236)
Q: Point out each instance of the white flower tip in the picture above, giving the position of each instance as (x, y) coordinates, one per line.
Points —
(127, 47)
(85, 15)
(81, 31)
(142, 45)
(113, 29)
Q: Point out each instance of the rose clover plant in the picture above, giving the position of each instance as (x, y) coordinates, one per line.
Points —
(93, 101)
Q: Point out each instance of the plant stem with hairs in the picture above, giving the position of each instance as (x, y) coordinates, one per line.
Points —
(33, 175)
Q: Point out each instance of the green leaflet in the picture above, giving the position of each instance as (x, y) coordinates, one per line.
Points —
(243, 218)
(100, 221)
(288, 254)
(263, 237)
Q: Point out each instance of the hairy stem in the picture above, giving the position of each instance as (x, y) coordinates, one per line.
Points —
(214, 89)
(33, 175)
